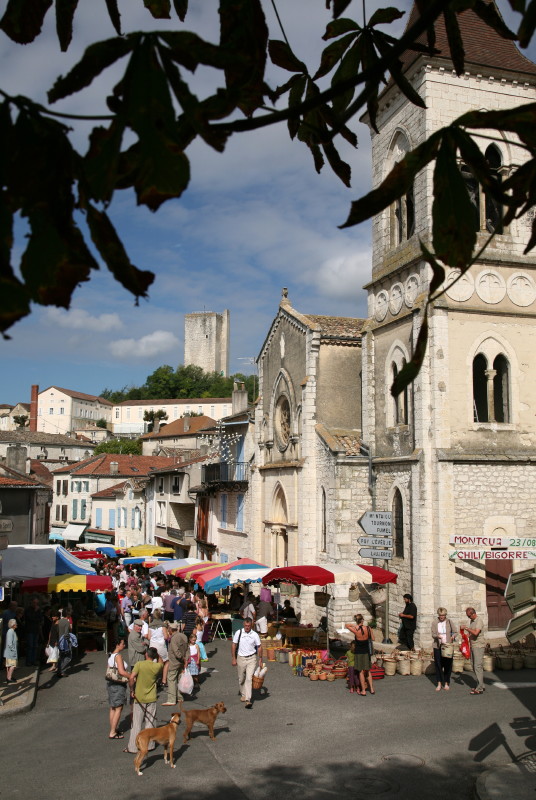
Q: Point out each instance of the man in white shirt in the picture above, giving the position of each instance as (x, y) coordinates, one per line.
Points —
(246, 652)
(144, 617)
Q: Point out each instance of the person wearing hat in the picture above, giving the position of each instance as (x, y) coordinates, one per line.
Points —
(177, 649)
(137, 644)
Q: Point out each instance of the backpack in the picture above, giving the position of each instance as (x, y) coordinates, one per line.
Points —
(67, 641)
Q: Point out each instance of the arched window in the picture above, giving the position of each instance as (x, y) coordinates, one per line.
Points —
(400, 402)
(501, 404)
(323, 533)
(403, 218)
(398, 524)
(480, 389)
(491, 389)
(488, 212)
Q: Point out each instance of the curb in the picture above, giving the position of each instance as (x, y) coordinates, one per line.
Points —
(6, 711)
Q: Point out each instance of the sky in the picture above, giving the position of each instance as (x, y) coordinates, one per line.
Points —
(253, 220)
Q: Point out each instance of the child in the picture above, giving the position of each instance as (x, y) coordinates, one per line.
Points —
(199, 628)
(352, 672)
(193, 658)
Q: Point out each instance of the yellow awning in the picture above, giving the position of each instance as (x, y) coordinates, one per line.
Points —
(148, 550)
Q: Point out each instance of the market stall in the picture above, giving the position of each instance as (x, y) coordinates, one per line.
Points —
(150, 550)
(20, 562)
(175, 563)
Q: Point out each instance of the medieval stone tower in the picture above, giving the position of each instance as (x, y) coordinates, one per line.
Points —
(455, 453)
(206, 341)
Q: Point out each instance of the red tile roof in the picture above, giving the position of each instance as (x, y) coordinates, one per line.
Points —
(41, 472)
(79, 395)
(110, 491)
(178, 466)
(176, 428)
(127, 465)
(483, 46)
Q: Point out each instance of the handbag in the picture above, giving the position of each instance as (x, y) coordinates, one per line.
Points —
(370, 642)
(113, 675)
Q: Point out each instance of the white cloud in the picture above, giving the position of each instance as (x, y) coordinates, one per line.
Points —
(148, 346)
(78, 319)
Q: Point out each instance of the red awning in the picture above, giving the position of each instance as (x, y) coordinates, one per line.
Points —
(86, 554)
(380, 575)
(304, 575)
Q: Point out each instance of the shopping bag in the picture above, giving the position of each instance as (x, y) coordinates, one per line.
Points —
(465, 647)
(186, 683)
(53, 656)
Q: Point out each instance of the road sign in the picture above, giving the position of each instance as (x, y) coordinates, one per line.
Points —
(520, 592)
(376, 523)
(519, 627)
(367, 552)
(375, 541)
(6, 524)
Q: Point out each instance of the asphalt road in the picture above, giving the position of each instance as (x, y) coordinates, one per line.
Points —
(302, 739)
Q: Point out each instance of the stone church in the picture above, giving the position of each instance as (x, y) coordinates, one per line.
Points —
(455, 455)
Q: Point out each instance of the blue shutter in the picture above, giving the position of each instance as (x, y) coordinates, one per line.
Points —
(83, 505)
(124, 518)
(240, 512)
(98, 518)
(133, 519)
(240, 448)
(75, 509)
(111, 519)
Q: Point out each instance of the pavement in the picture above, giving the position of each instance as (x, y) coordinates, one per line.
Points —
(301, 739)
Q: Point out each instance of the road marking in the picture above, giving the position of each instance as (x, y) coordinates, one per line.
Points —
(514, 685)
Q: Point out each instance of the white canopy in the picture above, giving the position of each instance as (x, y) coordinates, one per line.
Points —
(21, 562)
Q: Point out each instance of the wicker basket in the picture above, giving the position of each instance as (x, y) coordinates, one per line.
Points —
(321, 599)
(257, 682)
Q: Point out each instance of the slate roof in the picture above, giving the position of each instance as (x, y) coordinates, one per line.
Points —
(338, 327)
(340, 441)
(176, 428)
(483, 46)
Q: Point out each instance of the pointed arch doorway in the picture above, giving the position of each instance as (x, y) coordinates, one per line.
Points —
(279, 538)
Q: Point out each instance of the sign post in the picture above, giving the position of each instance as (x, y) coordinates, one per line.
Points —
(378, 543)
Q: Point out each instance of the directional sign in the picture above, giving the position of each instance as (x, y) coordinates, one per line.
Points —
(367, 552)
(376, 523)
(6, 524)
(520, 592)
(519, 627)
(375, 541)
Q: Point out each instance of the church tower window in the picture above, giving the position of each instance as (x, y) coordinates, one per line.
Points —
(400, 402)
(491, 389)
(398, 523)
(488, 213)
(501, 405)
(480, 389)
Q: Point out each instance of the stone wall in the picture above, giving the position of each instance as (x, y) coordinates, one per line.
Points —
(206, 341)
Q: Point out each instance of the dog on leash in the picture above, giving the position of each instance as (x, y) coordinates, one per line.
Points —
(163, 735)
(205, 715)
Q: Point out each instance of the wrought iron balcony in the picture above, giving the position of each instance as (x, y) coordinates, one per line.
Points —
(225, 473)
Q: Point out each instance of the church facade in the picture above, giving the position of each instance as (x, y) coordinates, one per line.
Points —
(454, 455)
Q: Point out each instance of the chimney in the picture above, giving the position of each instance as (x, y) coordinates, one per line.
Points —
(16, 457)
(156, 426)
(240, 398)
(114, 468)
(33, 408)
(186, 419)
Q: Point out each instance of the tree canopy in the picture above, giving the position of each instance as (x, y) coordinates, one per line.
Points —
(155, 116)
(128, 447)
(184, 382)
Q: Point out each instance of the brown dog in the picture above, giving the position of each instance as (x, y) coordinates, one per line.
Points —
(204, 715)
(164, 735)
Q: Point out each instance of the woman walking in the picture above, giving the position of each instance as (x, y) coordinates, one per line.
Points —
(11, 650)
(117, 689)
(443, 633)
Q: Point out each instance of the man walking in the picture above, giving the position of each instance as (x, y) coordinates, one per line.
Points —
(126, 608)
(474, 631)
(246, 652)
(177, 648)
(64, 643)
(408, 622)
(143, 682)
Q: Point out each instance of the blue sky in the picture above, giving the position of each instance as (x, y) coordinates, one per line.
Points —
(254, 219)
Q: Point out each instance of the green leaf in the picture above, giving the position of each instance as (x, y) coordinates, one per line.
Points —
(14, 302)
(339, 26)
(339, 7)
(455, 41)
(244, 39)
(181, 7)
(23, 19)
(348, 67)
(385, 16)
(64, 21)
(409, 371)
(474, 158)
(333, 53)
(56, 259)
(190, 50)
(528, 24)
(160, 9)
(385, 48)
(396, 184)
(437, 269)
(294, 98)
(339, 167)
(6, 235)
(282, 56)
(96, 58)
(111, 249)
(454, 233)
(520, 120)
(115, 16)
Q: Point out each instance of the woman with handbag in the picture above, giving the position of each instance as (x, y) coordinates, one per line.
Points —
(53, 653)
(362, 654)
(116, 685)
(443, 634)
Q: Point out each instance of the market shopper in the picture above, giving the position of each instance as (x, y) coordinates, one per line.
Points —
(362, 648)
(443, 633)
(137, 644)
(246, 652)
(408, 622)
(117, 691)
(11, 650)
(143, 682)
(177, 649)
(64, 642)
(476, 640)
(264, 613)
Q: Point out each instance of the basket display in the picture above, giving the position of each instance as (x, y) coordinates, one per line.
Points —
(321, 599)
